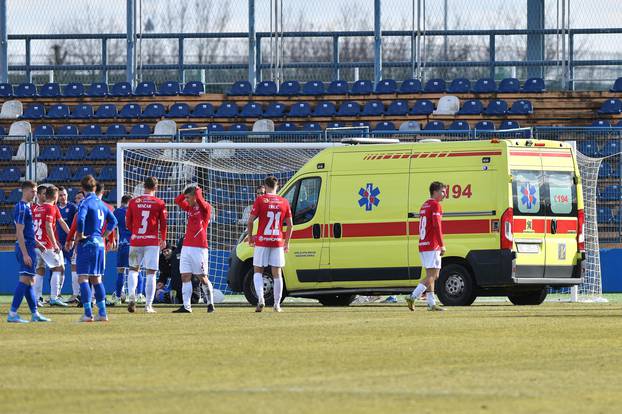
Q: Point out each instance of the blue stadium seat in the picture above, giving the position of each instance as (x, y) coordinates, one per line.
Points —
(335, 124)
(397, 108)
(239, 128)
(325, 109)
(106, 111)
(50, 90)
(373, 108)
(337, 87)
(617, 86)
(25, 90)
(509, 85)
(10, 174)
(6, 153)
(2, 131)
(434, 126)
(169, 88)
(178, 110)
(6, 218)
(604, 215)
(496, 107)
(286, 127)
(411, 86)
(361, 124)
(191, 133)
(154, 110)
(605, 170)
(521, 107)
(203, 110)
(193, 88)
(459, 126)
(362, 87)
(227, 110)
(75, 153)
(251, 110)
(485, 85)
(289, 88)
(97, 90)
(2, 197)
(349, 108)
(57, 111)
(100, 153)
(508, 124)
(459, 85)
(311, 127)
(435, 86)
(300, 110)
(43, 130)
(91, 131)
(265, 88)
(73, 90)
(588, 147)
(215, 127)
(313, 88)
(471, 107)
(140, 131)
(611, 147)
(121, 89)
(116, 130)
(34, 111)
(601, 123)
(611, 193)
(611, 107)
(108, 173)
(485, 126)
(6, 90)
(422, 107)
(68, 132)
(385, 126)
(145, 89)
(83, 171)
(130, 111)
(386, 86)
(534, 85)
(241, 88)
(14, 196)
(51, 153)
(274, 110)
(135, 173)
(82, 111)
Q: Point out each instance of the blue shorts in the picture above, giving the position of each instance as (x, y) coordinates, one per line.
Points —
(90, 258)
(123, 255)
(23, 268)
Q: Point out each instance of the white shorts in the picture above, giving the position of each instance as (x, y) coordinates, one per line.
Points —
(145, 257)
(431, 259)
(50, 258)
(73, 257)
(269, 256)
(194, 260)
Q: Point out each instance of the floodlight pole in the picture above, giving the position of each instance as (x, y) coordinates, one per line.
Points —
(377, 41)
(130, 35)
(4, 44)
(252, 44)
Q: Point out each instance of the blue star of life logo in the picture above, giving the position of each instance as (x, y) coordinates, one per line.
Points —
(369, 197)
(528, 198)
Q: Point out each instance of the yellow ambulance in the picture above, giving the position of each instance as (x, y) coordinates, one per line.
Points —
(513, 222)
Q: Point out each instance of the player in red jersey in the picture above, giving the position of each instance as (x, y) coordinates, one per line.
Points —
(146, 220)
(269, 243)
(194, 255)
(431, 246)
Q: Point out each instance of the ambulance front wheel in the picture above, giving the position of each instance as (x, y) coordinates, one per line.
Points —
(454, 286)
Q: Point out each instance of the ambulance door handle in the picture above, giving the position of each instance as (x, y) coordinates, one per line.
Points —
(316, 231)
(413, 215)
(554, 226)
(337, 230)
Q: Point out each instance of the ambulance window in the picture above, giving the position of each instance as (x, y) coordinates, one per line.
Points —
(562, 193)
(526, 192)
(306, 200)
(291, 193)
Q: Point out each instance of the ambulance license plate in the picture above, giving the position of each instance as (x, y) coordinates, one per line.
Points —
(528, 248)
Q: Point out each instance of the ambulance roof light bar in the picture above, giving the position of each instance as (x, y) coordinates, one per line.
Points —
(359, 141)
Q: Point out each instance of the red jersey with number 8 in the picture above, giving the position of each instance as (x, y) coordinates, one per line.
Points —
(146, 220)
(430, 230)
(271, 210)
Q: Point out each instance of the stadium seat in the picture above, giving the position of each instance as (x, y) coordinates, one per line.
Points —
(97, 90)
(6, 153)
(447, 105)
(362, 87)
(83, 171)
(385, 126)
(335, 124)
(14, 196)
(75, 153)
(184, 131)
(265, 88)
(411, 86)
(12, 109)
(22, 152)
(165, 127)
(135, 173)
(588, 147)
(6, 218)
(386, 86)
(434, 126)
(509, 85)
(68, 132)
(116, 130)
(496, 107)
(485, 85)
(193, 88)
(410, 126)
(610, 147)
(108, 173)
(286, 127)
(178, 110)
(611, 193)
(361, 124)
(485, 126)
(2, 131)
(19, 130)
(604, 215)
(106, 111)
(263, 125)
(154, 110)
(34, 111)
(203, 110)
(10, 174)
(300, 110)
(313, 88)
(51, 153)
(73, 90)
(601, 123)
(422, 107)
(435, 86)
(91, 131)
(215, 127)
(83, 111)
(311, 127)
(169, 88)
(140, 131)
(617, 86)
(458, 126)
(2, 197)
(508, 124)
(349, 108)
(239, 128)
(57, 111)
(50, 90)
(337, 87)
(145, 89)
(6, 90)
(534, 85)
(43, 131)
(100, 153)
(274, 110)
(471, 107)
(227, 110)
(289, 88)
(25, 90)
(373, 108)
(325, 109)
(121, 89)
(605, 170)
(521, 107)
(397, 108)
(251, 110)
(611, 107)
(459, 85)
(241, 88)
(130, 111)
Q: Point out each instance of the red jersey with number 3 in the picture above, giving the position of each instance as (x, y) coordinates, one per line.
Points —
(146, 220)
(271, 210)
(430, 229)
(41, 214)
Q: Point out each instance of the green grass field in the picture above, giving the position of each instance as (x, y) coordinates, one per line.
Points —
(490, 357)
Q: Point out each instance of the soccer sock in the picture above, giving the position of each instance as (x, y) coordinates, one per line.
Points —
(18, 296)
(186, 291)
(278, 291)
(150, 288)
(54, 285)
(38, 286)
(75, 286)
(258, 281)
(119, 286)
(132, 281)
(418, 291)
(31, 299)
(61, 283)
(85, 293)
(100, 298)
(208, 291)
(430, 299)
(140, 288)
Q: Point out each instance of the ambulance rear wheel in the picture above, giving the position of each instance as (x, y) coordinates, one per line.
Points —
(268, 288)
(529, 298)
(454, 286)
(336, 300)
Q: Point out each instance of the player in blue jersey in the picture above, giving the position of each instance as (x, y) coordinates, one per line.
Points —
(25, 250)
(67, 211)
(90, 251)
(123, 250)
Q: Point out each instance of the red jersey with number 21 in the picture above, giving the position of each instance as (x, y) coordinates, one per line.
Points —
(271, 210)
(45, 213)
(430, 230)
